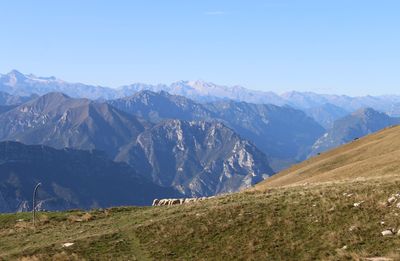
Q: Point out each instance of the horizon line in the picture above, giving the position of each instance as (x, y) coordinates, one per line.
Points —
(280, 94)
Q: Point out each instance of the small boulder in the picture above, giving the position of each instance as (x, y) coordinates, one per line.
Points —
(352, 228)
(67, 244)
(387, 232)
(391, 200)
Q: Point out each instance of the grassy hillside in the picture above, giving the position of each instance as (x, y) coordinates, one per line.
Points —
(376, 155)
(294, 223)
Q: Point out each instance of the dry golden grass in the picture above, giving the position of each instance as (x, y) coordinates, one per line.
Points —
(374, 156)
(63, 256)
(81, 218)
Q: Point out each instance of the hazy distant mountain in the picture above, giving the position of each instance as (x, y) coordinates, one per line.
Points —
(9, 100)
(162, 105)
(197, 158)
(70, 179)
(326, 114)
(284, 134)
(306, 100)
(16, 83)
(5, 108)
(208, 92)
(205, 92)
(353, 126)
(59, 121)
(394, 110)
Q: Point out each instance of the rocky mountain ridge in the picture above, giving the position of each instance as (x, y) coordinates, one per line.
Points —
(59, 121)
(197, 158)
(284, 134)
(351, 127)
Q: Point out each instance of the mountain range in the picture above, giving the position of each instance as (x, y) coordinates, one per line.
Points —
(56, 120)
(20, 84)
(192, 138)
(215, 151)
(351, 127)
(17, 83)
(284, 134)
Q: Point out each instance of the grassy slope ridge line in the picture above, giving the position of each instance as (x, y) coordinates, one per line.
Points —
(373, 156)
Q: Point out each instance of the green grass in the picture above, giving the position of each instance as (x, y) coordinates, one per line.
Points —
(312, 222)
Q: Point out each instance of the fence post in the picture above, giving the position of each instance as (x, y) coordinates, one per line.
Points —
(34, 202)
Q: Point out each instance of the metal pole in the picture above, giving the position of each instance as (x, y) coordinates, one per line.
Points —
(34, 201)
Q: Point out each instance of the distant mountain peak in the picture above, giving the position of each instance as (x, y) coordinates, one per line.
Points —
(200, 83)
(365, 110)
(14, 76)
(16, 73)
(52, 98)
(55, 95)
(368, 113)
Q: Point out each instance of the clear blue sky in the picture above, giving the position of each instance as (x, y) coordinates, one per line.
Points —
(339, 46)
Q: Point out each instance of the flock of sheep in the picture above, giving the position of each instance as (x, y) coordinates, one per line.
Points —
(177, 201)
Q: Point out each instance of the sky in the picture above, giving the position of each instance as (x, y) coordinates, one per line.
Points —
(336, 46)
